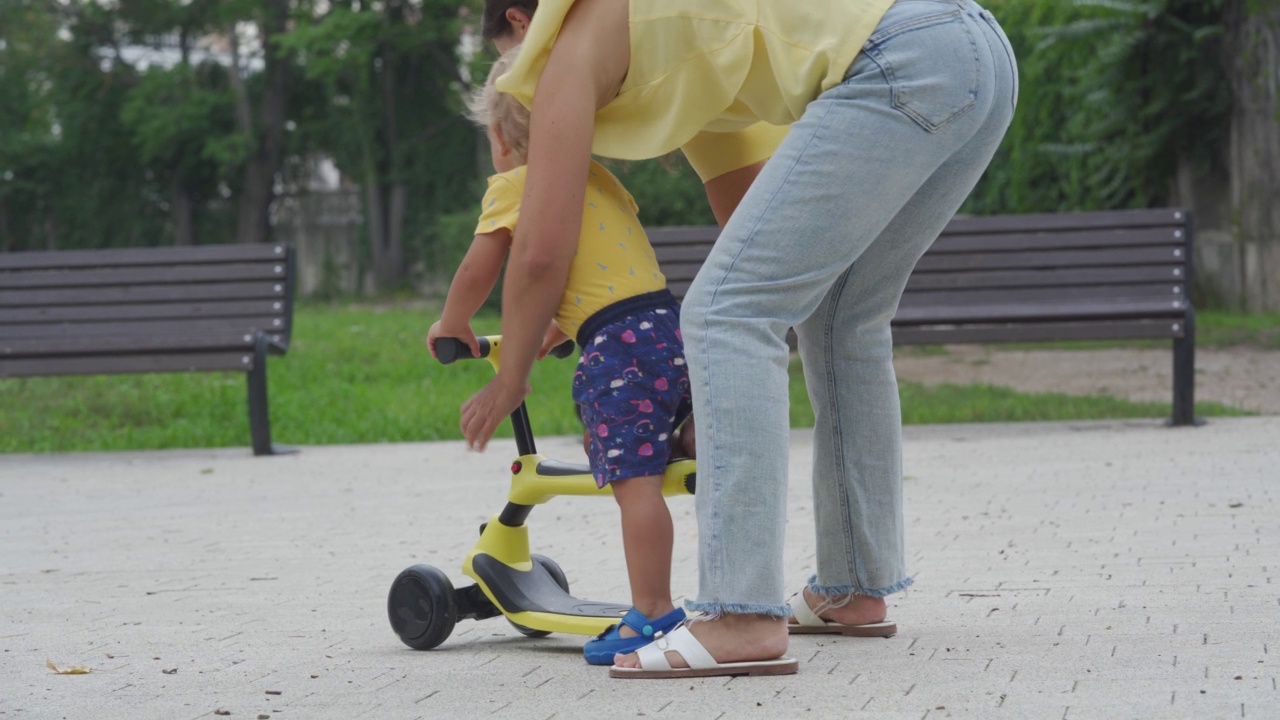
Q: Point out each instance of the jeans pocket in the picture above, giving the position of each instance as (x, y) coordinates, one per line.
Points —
(931, 65)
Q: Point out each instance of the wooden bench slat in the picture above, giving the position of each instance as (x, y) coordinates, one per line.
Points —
(1068, 240)
(145, 311)
(126, 257)
(1046, 277)
(679, 271)
(682, 253)
(158, 275)
(1101, 257)
(1041, 332)
(1154, 291)
(1069, 221)
(143, 329)
(186, 292)
(1023, 312)
(123, 345)
(682, 234)
(143, 363)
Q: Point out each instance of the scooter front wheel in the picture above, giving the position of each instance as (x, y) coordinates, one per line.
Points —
(556, 574)
(421, 607)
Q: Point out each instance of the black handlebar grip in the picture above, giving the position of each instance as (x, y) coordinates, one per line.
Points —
(450, 350)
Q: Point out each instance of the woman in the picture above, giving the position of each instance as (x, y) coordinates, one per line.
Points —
(876, 119)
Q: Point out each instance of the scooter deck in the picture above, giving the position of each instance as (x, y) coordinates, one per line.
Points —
(535, 590)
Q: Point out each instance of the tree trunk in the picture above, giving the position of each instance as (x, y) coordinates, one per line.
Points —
(6, 237)
(386, 228)
(258, 189)
(184, 212)
(51, 232)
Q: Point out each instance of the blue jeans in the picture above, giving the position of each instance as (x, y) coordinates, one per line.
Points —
(824, 242)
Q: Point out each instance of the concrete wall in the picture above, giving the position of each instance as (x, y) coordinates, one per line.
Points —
(325, 229)
(1237, 207)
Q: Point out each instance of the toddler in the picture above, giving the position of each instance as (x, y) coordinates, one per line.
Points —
(631, 385)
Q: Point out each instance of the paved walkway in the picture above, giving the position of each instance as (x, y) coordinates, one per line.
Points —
(1081, 570)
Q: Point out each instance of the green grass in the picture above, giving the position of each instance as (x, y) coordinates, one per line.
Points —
(1221, 329)
(947, 403)
(361, 374)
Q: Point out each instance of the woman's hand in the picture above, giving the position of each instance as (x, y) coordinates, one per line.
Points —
(482, 414)
(462, 332)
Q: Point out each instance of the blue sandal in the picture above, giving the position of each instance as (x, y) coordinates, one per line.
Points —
(601, 650)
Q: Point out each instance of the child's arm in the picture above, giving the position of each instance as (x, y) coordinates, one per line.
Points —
(474, 280)
(553, 338)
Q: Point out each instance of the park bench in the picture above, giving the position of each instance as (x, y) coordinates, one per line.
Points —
(1031, 278)
(146, 310)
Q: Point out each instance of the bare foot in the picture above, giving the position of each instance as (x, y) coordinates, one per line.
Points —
(729, 638)
(847, 610)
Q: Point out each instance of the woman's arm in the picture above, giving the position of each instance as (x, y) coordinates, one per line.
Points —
(726, 191)
(583, 73)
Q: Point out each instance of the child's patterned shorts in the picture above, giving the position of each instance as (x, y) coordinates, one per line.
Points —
(632, 390)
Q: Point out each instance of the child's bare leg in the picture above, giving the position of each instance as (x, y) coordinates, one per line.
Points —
(686, 444)
(646, 541)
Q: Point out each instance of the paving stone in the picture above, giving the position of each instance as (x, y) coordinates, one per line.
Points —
(1063, 570)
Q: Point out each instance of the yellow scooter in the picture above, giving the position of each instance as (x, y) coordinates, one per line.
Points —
(531, 591)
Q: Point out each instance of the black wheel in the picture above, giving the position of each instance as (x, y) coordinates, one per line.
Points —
(556, 574)
(421, 607)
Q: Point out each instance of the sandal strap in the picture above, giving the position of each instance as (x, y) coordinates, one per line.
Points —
(804, 614)
(647, 628)
(636, 620)
(654, 655)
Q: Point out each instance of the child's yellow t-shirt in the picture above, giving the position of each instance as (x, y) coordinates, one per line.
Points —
(614, 260)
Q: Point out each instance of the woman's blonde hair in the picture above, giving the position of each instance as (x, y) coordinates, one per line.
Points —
(489, 108)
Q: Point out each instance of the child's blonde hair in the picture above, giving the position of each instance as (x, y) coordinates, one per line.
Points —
(489, 108)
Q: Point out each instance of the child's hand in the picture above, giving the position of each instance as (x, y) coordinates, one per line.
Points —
(553, 337)
(462, 332)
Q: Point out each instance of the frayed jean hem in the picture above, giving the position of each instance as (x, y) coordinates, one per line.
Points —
(832, 591)
(716, 609)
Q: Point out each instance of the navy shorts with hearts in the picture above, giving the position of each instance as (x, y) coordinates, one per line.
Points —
(632, 386)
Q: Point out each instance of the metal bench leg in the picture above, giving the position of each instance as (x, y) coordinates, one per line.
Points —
(1184, 377)
(259, 418)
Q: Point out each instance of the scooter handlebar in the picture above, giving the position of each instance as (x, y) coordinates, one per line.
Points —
(450, 350)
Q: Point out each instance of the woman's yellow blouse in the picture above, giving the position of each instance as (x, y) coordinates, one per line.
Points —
(721, 79)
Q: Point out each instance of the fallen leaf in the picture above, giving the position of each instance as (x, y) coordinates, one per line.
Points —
(73, 670)
(171, 671)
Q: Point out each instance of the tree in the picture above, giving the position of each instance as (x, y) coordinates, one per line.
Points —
(392, 75)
